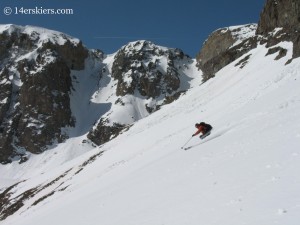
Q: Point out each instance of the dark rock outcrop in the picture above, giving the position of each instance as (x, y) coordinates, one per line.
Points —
(137, 66)
(279, 13)
(223, 47)
(146, 70)
(280, 21)
(104, 132)
(35, 84)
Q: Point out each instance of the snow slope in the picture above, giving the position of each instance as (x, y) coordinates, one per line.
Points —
(245, 172)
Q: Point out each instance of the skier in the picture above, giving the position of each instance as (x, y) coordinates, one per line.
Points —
(203, 128)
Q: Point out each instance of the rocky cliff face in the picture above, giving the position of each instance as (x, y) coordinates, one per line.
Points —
(139, 67)
(145, 77)
(279, 13)
(224, 46)
(35, 84)
(279, 21)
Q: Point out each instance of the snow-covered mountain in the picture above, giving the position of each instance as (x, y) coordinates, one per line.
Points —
(35, 81)
(137, 81)
(47, 77)
(245, 172)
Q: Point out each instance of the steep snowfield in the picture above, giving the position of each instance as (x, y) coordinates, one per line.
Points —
(245, 172)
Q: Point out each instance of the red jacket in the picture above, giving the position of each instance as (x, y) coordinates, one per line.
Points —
(201, 129)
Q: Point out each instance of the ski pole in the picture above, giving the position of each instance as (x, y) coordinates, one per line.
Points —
(187, 142)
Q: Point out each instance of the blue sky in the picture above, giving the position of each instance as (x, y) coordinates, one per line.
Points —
(110, 24)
